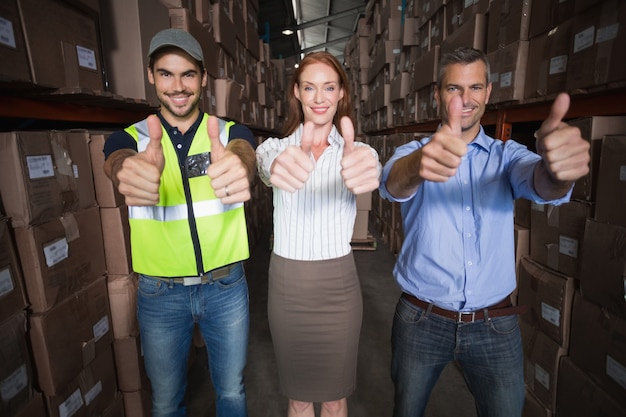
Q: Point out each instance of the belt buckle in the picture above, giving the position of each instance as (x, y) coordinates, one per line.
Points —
(192, 281)
(461, 314)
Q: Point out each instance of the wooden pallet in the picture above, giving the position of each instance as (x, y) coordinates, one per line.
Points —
(368, 243)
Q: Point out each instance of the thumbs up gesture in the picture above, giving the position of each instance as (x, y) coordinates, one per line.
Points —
(359, 165)
(441, 157)
(139, 177)
(565, 153)
(228, 173)
(292, 167)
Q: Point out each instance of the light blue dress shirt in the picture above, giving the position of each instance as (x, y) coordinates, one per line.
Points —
(458, 251)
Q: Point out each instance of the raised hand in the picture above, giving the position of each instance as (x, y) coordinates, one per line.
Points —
(564, 152)
(441, 157)
(359, 167)
(229, 175)
(291, 169)
(139, 177)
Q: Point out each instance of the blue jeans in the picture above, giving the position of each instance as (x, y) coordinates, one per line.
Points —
(167, 313)
(489, 352)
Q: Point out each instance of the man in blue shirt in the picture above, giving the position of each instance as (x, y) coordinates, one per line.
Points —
(456, 267)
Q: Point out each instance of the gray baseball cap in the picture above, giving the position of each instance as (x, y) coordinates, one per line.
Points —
(178, 38)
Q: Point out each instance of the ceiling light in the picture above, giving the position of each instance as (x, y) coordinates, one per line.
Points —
(287, 32)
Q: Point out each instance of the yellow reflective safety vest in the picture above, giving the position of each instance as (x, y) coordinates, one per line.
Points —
(189, 232)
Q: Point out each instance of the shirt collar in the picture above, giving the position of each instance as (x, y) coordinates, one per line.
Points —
(482, 140)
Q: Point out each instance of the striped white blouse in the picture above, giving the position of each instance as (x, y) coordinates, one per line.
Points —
(317, 221)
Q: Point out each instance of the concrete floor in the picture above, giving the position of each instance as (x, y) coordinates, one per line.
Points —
(374, 394)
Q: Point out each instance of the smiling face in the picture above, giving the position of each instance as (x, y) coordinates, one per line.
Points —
(470, 82)
(178, 81)
(319, 91)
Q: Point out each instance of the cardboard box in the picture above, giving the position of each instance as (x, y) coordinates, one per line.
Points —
(522, 212)
(508, 72)
(360, 231)
(547, 14)
(542, 356)
(137, 403)
(90, 393)
(131, 373)
(45, 174)
(596, 57)
(228, 99)
(70, 336)
(12, 299)
(603, 266)
(549, 295)
(130, 25)
(116, 238)
(508, 23)
(534, 408)
(59, 32)
(594, 129)
(106, 193)
(556, 235)
(522, 249)
(472, 33)
(115, 408)
(549, 54)
(16, 377)
(14, 66)
(611, 190)
(182, 19)
(123, 303)
(579, 395)
(61, 257)
(34, 408)
(598, 346)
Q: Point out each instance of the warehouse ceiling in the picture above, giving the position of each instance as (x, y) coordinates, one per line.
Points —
(317, 25)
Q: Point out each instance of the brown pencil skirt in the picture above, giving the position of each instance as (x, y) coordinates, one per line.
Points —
(315, 311)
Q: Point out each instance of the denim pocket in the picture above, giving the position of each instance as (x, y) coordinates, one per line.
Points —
(150, 287)
(408, 313)
(236, 277)
(504, 324)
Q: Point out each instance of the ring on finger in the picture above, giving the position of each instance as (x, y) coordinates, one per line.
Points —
(226, 191)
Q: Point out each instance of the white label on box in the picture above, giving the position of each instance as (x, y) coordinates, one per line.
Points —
(7, 36)
(551, 314)
(542, 376)
(40, 166)
(93, 393)
(75, 169)
(86, 57)
(13, 384)
(568, 246)
(607, 33)
(56, 252)
(6, 282)
(506, 79)
(584, 39)
(622, 173)
(70, 406)
(558, 65)
(101, 327)
(616, 370)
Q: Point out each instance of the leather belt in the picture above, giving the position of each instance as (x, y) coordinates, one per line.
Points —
(503, 308)
(213, 275)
